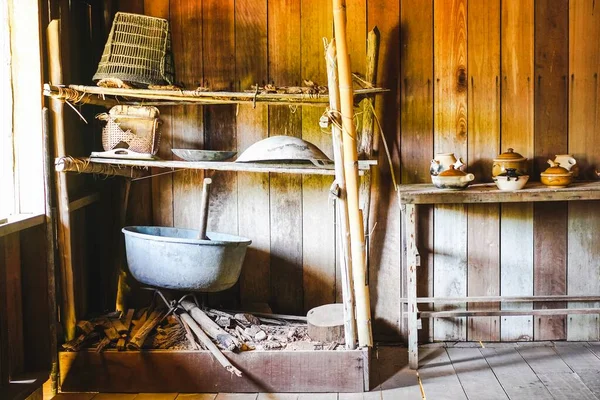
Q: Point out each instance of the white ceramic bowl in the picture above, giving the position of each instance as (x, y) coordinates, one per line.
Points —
(510, 183)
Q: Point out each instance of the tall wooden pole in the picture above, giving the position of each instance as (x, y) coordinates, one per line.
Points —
(357, 238)
(68, 316)
(341, 205)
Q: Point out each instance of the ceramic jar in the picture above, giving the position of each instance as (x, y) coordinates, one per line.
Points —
(452, 178)
(511, 180)
(509, 159)
(567, 162)
(443, 161)
(556, 176)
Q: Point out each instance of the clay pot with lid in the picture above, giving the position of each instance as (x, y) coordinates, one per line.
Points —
(509, 159)
(452, 178)
(556, 176)
(443, 161)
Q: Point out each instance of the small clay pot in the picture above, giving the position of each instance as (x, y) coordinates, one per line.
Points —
(556, 176)
(453, 179)
(509, 159)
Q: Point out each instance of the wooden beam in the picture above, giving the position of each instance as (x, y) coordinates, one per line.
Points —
(19, 222)
(490, 313)
(84, 201)
(505, 299)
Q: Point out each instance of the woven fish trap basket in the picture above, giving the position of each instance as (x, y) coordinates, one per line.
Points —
(138, 51)
(131, 127)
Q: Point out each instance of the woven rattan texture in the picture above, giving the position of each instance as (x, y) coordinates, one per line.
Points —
(138, 51)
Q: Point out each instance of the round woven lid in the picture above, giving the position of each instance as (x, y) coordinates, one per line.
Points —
(452, 172)
(556, 170)
(510, 155)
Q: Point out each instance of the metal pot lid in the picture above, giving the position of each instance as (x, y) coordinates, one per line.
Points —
(510, 155)
(284, 148)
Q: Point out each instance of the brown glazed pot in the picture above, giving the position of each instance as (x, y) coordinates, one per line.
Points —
(509, 159)
(556, 176)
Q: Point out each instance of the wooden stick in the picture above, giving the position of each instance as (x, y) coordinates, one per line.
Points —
(83, 165)
(341, 205)
(50, 249)
(204, 209)
(123, 288)
(210, 327)
(76, 97)
(209, 344)
(69, 317)
(188, 332)
(359, 271)
(137, 341)
(369, 138)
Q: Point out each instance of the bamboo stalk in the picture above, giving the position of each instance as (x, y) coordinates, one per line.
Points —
(82, 165)
(69, 317)
(210, 327)
(204, 208)
(369, 138)
(363, 312)
(341, 205)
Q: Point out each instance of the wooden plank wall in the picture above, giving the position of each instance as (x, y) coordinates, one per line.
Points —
(469, 76)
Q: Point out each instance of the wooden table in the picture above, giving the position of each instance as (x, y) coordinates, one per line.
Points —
(413, 195)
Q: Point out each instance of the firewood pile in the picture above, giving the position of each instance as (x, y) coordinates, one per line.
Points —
(152, 329)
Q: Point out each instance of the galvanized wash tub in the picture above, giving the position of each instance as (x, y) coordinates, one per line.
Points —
(174, 258)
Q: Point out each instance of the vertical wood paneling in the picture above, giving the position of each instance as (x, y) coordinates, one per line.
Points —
(416, 108)
(551, 120)
(162, 186)
(450, 121)
(187, 121)
(318, 229)
(584, 143)
(384, 243)
(252, 126)
(285, 190)
(483, 145)
(4, 370)
(516, 225)
(218, 32)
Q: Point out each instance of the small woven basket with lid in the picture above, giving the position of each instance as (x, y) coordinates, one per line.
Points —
(138, 51)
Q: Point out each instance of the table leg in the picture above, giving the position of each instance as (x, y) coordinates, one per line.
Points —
(412, 262)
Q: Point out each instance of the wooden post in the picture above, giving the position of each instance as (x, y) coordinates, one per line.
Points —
(123, 288)
(341, 205)
(204, 209)
(359, 271)
(412, 262)
(69, 318)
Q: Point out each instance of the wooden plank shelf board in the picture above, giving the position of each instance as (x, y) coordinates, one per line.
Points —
(185, 96)
(197, 371)
(281, 168)
(489, 193)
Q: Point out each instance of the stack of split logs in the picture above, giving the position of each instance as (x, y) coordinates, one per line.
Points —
(346, 146)
(192, 328)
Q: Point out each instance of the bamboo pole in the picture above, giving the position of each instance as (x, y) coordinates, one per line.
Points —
(341, 205)
(369, 137)
(363, 312)
(69, 317)
(123, 287)
(83, 165)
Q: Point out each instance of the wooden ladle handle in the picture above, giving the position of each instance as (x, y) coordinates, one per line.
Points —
(204, 209)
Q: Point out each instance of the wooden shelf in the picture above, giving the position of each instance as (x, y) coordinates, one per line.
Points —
(282, 168)
(97, 95)
(489, 193)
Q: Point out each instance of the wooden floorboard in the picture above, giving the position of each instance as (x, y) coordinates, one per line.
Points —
(581, 358)
(475, 375)
(156, 396)
(237, 396)
(514, 374)
(393, 377)
(74, 396)
(544, 360)
(438, 376)
(566, 386)
(196, 396)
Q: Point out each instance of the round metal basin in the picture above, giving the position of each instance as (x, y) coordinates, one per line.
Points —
(173, 258)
